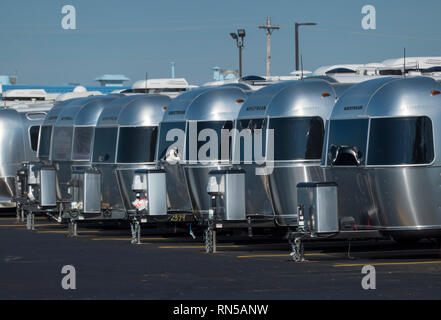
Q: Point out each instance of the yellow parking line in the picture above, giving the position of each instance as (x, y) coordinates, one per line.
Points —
(263, 255)
(395, 251)
(124, 239)
(386, 263)
(112, 239)
(279, 255)
(66, 231)
(342, 252)
(197, 247)
(24, 225)
(15, 219)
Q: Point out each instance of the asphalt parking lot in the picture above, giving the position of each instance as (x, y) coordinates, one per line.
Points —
(175, 266)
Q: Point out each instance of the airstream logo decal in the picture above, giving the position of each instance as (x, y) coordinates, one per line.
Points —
(203, 147)
(171, 113)
(353, 108)
(256, 108)
(109, 118)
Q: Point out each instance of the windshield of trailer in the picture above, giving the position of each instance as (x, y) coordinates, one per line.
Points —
(62, 143)
(172, 130)
(297, 138)
(137, 144)
(82, 143)
(399, 141)
(104, 145)
(44, 142)
(247, 137)
(208, 149)
(347, 142)
(33, 137)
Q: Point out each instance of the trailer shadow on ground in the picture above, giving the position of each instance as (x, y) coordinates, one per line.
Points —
(175, 266)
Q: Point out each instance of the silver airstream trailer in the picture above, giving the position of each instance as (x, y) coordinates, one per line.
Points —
(215, 109)
(124, 142)
(180, 141)
(287, 120)
(381, 150)
(19, 130)
(170, 156)
(71, 145)
(65, 140)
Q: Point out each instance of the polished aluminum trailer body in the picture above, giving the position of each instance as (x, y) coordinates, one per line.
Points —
(215, 109)
(19, 130)
(66, 139)
(382, 150)
(170, 151)
(295, 111)
(125, 140)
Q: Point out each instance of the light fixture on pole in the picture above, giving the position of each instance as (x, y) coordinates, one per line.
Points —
(239, 42)
(297, 25)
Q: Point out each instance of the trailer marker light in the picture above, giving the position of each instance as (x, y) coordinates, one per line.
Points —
(324, 95)
(164, 107)
(435, 92)
(239, 100)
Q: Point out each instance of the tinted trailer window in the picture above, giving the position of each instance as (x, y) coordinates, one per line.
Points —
(346, 136)
(82, 143)
(45, 142)
(33, 137)
(105, 145)
(137, 144)
(397, 141)
(165, 128)
(297, 138)
(216, 126)
(251, 125)
(62, 143)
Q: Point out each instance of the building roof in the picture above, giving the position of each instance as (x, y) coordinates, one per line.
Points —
(112, 77)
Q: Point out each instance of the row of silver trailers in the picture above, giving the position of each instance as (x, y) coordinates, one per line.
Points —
(312, 158)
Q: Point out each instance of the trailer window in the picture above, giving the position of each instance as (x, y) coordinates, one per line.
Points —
(82, 143)
(105, 145)
(395, 141)
(62, 143)
(33, 137)
(217, 127)
(297, 138)
(347, 134)
(45, 142)
(246, 136)
(165, 128)
(137, 144)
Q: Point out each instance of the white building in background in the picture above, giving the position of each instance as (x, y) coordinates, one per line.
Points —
(40, 96)
(414, 66)
(167, 86)
(112, 80)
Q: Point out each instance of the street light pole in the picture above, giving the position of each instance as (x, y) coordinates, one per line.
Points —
(297, 25)
(240, 61)
(239, 43)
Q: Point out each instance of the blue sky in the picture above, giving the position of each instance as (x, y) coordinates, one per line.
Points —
(133, 37)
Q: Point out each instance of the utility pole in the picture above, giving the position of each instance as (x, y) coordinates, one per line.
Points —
(269, 29)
